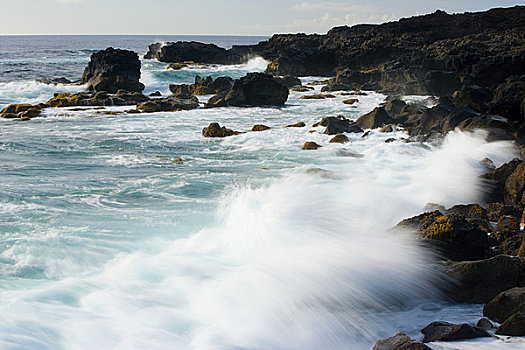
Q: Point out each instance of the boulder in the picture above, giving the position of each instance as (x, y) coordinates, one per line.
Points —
(339, 138)
(203, 86)
(301, 88)
(485, 324)
(395, 106)
(496, 181)
(515, 186)
(155, 94)
(254, 89)
(513, 326)
(473, 96)
(296, 125)
(507, 227)
(183, 51)
(375, 119)
(480, 281)
(399, 341)
(387, 128)
(289, 81)
(455, 237)
(310, 145)
(260, 127)
(337, 125)
(21, 110)
(113, 69)
(445, 331)
(169, 104)
(350, 101)
(514, 245)
(505, 304)
(215, 130)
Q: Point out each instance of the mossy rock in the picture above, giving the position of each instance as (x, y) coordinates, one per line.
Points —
(339, 138)
(260, 127)
(310, 145)
(507, 226)
(22, 110)
(215, 130)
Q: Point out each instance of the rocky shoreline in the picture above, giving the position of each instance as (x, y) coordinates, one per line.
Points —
(474, 66)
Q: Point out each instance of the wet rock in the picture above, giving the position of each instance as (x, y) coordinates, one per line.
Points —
(350, 101)
(513, 326)
(390, 140)
(113, 69)
(505, 304)
(310, 145)
(316, 97)
(496, 189)
(375, 119)
(488, 164)
(289, 81)
(515, 186)
(169, 104)
(260, 127)
(155, 94)
(485, 324)
(22, 110)
(445, 331)
(204, 86)
(508, 99)
(387, 128)
(480, 281)
(472, 213)
(395, 106)
(514, 245)
(301, 88)
(507, 226)
(453, 236)
(497, 210)
(184, 51)
(296, 125)
(215, 130)
(338, 125)
(336, 87)
(254, 89)
(55, 81)
(399, 341)
(339, 138)
(473, 96)
(177, 66)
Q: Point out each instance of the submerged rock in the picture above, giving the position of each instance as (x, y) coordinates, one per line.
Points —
(113, 69)
(316, 97)
(337, 125)
(339, 138)
(260, 127)
(296, 125)
(445, 331)
(399, 341)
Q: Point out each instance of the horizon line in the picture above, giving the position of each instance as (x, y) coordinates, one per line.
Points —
(147, 34)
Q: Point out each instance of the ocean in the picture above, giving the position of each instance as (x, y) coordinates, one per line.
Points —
(108, 242)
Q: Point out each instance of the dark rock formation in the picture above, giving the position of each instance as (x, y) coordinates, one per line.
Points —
(514, 245)
(101, 98)
(399, 341)
(498, 188)
(204, 86)
(480, 281)
(375, 119)
(254, 89)
(296, 125)
(316, 97)
(508, 226)
(485, 324)
(169, 104)
(113, 69)
(454, 236)
(444, 331)
(506, 304)
(513, 326)
(289, 81)
(183, 51)
(215, 130)
(337, 125)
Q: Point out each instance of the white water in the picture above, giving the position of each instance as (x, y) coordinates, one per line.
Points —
(110, 245)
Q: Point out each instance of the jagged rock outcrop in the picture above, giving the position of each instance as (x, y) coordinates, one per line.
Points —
(254, 89)
(203, 86)
(112, 69)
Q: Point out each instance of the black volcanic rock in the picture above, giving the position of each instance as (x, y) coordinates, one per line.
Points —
(113, 69)
(183, 51)
(254, 89)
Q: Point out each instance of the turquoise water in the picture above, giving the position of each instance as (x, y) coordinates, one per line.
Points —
(249, 243)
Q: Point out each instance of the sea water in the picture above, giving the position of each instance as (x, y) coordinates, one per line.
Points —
(107, 242)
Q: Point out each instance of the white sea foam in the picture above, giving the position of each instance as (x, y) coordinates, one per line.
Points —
(32, 91)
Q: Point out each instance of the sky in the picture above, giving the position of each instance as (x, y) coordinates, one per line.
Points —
(220, 17)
